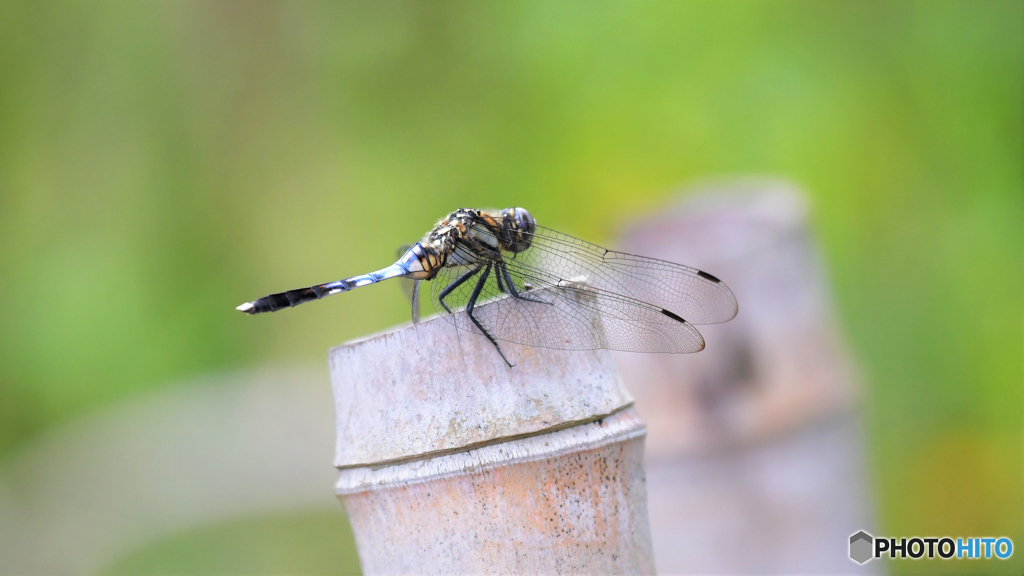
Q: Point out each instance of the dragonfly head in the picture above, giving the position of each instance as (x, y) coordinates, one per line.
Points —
(521, 227)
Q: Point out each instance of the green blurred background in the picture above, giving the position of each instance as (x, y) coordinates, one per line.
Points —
(160, 163)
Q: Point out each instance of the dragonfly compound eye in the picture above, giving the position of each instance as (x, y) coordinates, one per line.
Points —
(526, 222)
(518, 229)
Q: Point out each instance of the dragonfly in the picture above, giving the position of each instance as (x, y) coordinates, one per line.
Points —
(519, 282)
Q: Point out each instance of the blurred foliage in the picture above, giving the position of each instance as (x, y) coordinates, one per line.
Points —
(162, 162)
(281, 544)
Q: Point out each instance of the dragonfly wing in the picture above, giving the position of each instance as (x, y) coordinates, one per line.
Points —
(695, 295)
(410, 287)
(554, 313)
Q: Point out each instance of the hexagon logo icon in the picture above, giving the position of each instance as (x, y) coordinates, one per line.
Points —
(861, 544)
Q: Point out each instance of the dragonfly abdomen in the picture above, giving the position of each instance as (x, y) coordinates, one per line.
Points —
(275, 302)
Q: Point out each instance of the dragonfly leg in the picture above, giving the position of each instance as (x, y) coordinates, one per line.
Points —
(512, 286)
(469, 312)
(455, 284)
(496, 260)
(501, 285)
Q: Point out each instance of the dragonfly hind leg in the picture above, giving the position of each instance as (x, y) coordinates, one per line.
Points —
(455, 284)
(472, 303)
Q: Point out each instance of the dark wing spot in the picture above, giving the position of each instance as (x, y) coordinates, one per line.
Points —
(672, 316)
(707, 276)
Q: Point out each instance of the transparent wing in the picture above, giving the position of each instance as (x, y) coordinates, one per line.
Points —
(554, 313)
(406, 284)
(697, 296)
(411, 288)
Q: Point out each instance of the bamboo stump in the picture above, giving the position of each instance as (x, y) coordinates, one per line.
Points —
(451, 462)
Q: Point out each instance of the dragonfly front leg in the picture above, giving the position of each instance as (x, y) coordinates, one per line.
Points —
(512, 286)
(501, 286)
(469, 312)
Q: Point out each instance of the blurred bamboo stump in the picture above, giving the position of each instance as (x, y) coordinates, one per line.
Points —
(754, 455)
(450, 462)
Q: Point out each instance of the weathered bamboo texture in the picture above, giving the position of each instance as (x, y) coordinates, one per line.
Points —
(754, 457)
(452, 463)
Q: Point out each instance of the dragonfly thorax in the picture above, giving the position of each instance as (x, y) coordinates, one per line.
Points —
(482, 233)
